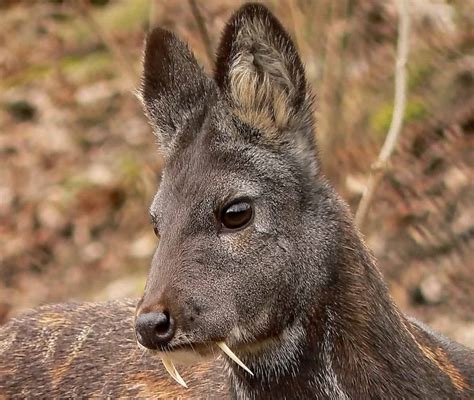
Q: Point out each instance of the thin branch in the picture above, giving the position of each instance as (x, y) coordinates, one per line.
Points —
(152, 15)
(380, 166)
(334, 76)
(109, 42)
(298, 26)
(202, 30)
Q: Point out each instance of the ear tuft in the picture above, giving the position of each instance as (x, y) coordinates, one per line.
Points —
(175, 91)
(260, 72)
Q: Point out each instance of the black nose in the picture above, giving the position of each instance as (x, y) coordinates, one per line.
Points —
(154, 329)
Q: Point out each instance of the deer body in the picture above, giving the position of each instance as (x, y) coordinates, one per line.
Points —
(88, 350)
(256, 250)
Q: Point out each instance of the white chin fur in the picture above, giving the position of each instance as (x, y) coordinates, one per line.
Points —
(185, 357)
(181, 357)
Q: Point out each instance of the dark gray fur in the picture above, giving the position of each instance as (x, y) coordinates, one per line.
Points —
(296, 294)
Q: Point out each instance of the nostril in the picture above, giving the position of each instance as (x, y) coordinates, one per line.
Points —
(163, 323)
(154, 329)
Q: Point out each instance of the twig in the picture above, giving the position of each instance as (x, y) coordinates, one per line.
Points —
(109, 42)
(334, 77)
(298, 26)
(152, 18)
(380, 166)
(202, 30)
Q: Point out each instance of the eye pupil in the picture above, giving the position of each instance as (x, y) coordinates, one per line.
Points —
(236, 215)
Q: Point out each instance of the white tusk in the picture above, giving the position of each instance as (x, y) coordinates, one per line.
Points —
(172, 370)
(231, 354)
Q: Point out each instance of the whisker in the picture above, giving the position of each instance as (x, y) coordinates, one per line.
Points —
(212, 350)
(143, 354)
(190, 344)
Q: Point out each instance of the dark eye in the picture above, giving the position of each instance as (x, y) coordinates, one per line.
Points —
(236, 215)
(157, 232)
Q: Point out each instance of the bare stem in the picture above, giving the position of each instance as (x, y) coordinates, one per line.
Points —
(380, 166)
(298, 26)
(152, 15)
(203, 30)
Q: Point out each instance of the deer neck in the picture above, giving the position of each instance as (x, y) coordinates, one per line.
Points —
(352, 338)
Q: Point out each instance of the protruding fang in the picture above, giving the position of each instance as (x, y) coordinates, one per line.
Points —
(233, 357)
(172, 370)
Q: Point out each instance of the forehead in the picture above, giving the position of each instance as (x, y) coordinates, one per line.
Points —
(205, 173)
(221, 163)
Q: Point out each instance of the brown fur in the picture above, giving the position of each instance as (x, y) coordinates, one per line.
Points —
(295, 292)
(438, 356)
(94, 354)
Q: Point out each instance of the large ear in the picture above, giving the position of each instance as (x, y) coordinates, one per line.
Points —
(175, 91)
(259, 71)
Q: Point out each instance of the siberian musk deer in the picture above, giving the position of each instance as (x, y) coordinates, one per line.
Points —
(257, 253)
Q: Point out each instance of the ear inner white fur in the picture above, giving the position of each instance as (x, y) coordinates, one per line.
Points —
(233, 357)
(172, 370)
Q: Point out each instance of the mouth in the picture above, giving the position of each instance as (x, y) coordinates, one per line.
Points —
(182, 353)
(199, 350)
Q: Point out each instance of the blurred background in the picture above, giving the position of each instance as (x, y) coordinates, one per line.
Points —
(78, 164)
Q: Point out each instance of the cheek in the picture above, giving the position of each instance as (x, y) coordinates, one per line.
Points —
(236, 246)
(255, 265)
(210, 308)
(260, 285)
